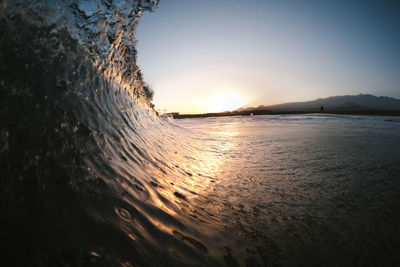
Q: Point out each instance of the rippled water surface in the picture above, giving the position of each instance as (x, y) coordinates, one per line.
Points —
(91, 176)
(310, 190)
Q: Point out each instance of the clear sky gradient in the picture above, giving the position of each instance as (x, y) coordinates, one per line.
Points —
(197, 53)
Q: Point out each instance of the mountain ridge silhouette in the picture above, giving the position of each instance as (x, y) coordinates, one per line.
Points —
(343, 102)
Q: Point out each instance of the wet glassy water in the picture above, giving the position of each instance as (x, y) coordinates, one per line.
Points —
(304, 190)
(91, 176)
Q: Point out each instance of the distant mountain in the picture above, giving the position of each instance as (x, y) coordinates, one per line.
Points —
(336, 103)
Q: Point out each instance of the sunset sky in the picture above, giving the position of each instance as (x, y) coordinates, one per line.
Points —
(212, 55)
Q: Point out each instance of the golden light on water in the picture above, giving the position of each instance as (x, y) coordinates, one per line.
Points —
(226, 100)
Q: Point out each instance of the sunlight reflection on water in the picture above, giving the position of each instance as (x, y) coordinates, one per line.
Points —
(306, 188)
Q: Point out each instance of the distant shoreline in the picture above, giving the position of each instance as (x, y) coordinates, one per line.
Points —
(269, 112)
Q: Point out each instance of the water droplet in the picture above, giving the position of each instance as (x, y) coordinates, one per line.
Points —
(179, 195)
(132, 237)
(94, 253)
(126, 264)
(123, 214)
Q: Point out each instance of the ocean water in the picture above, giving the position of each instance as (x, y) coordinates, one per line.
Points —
(314, 190)
(92, 176)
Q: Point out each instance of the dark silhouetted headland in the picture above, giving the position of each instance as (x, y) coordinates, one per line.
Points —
(363, 104)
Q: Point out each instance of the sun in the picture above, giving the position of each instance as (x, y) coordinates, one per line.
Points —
(226, 101)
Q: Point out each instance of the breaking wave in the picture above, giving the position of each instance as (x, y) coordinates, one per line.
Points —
(90, 175)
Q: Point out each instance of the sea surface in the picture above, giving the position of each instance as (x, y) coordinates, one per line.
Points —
(90, 175)
(308, 190)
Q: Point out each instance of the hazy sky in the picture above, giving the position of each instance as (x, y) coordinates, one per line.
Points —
(198, 53)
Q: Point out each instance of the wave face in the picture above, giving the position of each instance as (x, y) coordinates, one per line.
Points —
(90, 175)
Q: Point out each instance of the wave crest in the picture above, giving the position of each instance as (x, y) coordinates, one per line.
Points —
(104, 30)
